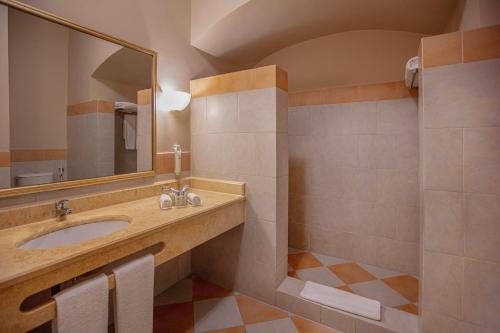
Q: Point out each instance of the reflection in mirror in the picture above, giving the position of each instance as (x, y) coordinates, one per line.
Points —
(72, 106)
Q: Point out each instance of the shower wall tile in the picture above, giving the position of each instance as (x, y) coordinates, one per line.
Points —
(482, 212)
(443, 166)
(240, 136)
(461, 168)
(463, 95)
(482, 160)
(481, 289)
(353, 179)
(444, 227)
(443, 284)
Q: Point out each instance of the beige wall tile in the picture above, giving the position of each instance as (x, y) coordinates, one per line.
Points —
(257, 110)
(337, 320)
(240, 155)
(298, 235)
(482, 213)
(360, 118)
(463, 95)
(222, 113)
(481, 304)
(482, 160)
(397, 255)
(443, 162)
(398, 116)
(198, 114)
(444, 222)
(299, 120)
(443, 284)
(397, 187)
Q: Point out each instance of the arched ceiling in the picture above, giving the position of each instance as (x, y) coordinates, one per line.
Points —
(256, 28)
(126, 66)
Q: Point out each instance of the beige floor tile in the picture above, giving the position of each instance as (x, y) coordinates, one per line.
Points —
(377, 290)
(216, 313)
(253, 311)
(320, 275)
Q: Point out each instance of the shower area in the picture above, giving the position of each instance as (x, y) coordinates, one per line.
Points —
(353, 191)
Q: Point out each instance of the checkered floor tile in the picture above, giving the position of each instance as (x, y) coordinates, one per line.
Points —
(196, 306)
(393, 289)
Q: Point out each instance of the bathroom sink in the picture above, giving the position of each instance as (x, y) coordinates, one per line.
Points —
(75, 234)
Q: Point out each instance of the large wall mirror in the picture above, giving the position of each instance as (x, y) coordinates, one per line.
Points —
(76, 106)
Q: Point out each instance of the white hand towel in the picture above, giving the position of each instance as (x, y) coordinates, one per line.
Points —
(194, 199)
(129, 130)
(83, 308)
(342, 300)
(134, 296)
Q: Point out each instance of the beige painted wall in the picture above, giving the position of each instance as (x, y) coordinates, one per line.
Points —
(205, 14)
(163, 26)
(349, 58)
(473, 14)
(38, 82)
(4, 80)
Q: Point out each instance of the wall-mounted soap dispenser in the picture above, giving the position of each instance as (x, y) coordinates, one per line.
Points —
(178, 160)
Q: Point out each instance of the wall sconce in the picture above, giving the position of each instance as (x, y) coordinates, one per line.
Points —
(173, 100)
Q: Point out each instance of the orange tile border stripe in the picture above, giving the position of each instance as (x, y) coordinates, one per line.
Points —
(442, 50)
(4, 159)
(461, 47)
(165, 162)
(482, 44)
(361, 93)
(26, 155)
(90, 107)
(256, 78)
(144, 97)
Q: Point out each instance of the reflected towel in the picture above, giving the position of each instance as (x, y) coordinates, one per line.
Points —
(129, 130)
(126, 106)
(83, 308)
(342, 300)
(134, 296)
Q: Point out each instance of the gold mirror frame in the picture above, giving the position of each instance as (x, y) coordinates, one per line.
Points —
(99, 180)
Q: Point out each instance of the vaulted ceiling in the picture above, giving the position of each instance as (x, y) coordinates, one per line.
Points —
(245, 31)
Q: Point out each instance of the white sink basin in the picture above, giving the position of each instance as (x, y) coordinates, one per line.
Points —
(75, 234)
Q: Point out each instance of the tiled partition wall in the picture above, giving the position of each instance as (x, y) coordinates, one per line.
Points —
(239, 132)
(25, 161)
(91, 139)
(4, 100)
(460, 127)
(354, 174)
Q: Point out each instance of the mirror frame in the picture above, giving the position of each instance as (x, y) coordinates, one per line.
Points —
(18, 191)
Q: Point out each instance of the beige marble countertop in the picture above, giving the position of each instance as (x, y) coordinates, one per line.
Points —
(144, 216)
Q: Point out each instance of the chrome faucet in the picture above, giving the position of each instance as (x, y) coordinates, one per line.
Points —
(179, 197)
(62, 209)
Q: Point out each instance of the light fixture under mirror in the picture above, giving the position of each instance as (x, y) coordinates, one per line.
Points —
(76, 106)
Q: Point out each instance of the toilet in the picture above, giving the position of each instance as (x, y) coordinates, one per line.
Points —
(35, 178)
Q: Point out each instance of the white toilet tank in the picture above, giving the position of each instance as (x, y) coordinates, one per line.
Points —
(35, 178)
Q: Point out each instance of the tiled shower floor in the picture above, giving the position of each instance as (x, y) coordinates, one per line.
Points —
(392, 289)
(196, 306)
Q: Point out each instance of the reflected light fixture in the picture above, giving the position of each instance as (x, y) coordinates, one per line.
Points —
(173, 100)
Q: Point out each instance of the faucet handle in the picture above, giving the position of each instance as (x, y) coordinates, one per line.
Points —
(185, 189)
